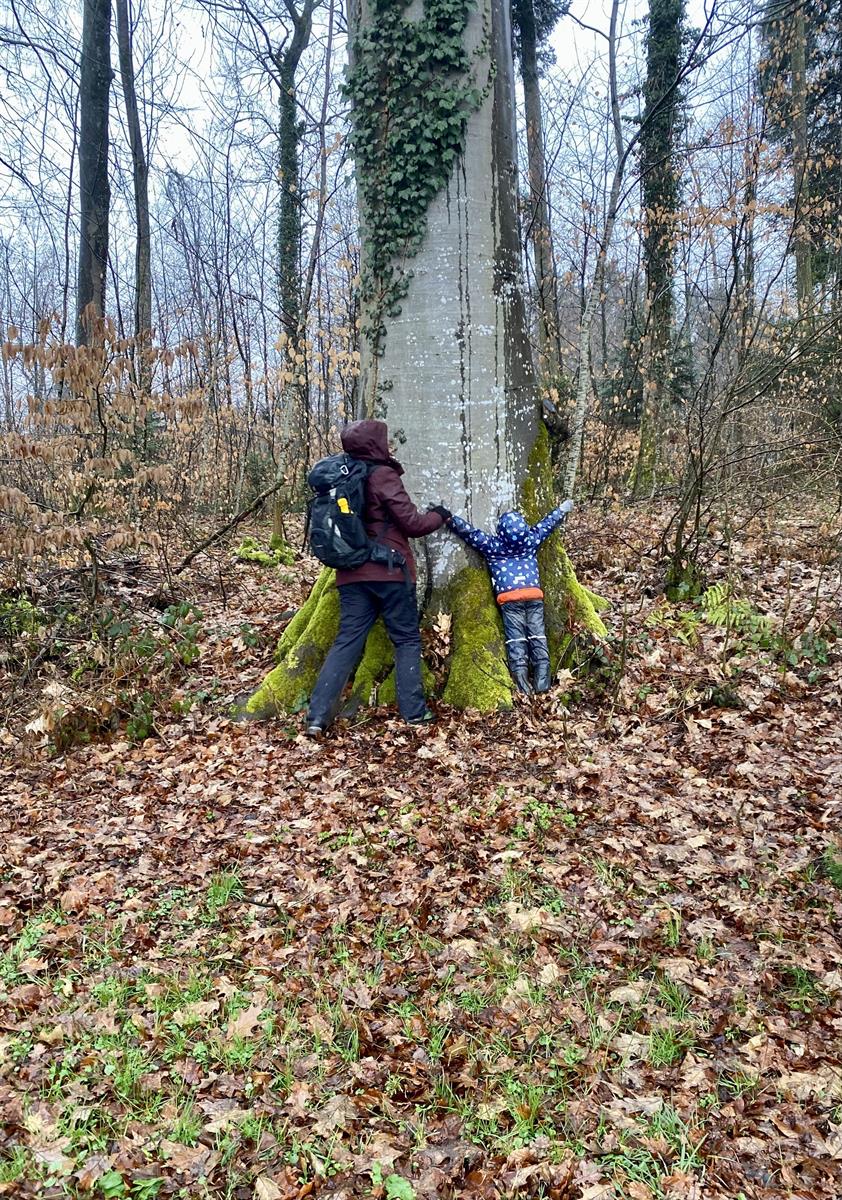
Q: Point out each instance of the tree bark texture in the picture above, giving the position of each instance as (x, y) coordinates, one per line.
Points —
(456, 379)
(660, 195)
(140, 175)
(803, 248)
(94, 189)
(537, 216)
(295, 413)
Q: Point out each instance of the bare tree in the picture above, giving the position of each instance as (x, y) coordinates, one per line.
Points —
(94, 187)
(140, 174)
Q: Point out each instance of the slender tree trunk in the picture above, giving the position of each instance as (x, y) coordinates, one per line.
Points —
(140, 173)
(538, 219)
(94, 190)
(289, 207)
(294, 400)
(660, 187)
(580, 405)
(803, 249)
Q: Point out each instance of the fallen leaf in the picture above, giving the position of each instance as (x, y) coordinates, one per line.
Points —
(244, 1023)
(265, 1188)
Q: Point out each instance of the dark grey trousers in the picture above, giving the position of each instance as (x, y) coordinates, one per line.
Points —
(526, 643)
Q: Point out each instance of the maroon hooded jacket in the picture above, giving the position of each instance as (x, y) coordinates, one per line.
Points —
(390, 516)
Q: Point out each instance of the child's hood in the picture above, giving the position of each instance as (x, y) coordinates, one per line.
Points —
(513, 529)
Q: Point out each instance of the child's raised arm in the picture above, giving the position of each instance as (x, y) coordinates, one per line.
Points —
(474, 537)
(548, 523)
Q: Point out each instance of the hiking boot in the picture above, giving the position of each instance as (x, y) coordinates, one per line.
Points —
(426, 718)
(314, 731)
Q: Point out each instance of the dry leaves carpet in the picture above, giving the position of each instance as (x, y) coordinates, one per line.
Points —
(577, 952)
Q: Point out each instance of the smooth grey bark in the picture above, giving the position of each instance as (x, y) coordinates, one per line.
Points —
(456, 381)
(95, 77)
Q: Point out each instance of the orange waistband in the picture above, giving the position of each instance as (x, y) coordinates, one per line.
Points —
(524, 593)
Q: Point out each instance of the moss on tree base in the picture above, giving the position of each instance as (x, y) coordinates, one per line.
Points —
(301, 652)
(478, 675)
(568, 604)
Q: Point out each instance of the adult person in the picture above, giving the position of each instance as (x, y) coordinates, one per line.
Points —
(377, 589)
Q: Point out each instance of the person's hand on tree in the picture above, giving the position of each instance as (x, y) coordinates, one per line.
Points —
(443, 512)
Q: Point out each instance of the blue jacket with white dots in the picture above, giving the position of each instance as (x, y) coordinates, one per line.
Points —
(512, 553)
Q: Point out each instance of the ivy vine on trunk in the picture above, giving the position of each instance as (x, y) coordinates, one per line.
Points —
(412, 90)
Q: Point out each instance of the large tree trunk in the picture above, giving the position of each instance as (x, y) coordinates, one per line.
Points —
(140, 173)
(94, 191)
(450, 369)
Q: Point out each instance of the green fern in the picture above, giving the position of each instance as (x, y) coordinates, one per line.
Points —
(684, 623)
(720, 606)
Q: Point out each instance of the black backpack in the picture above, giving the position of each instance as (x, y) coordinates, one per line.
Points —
(337, 512)
(338, 536)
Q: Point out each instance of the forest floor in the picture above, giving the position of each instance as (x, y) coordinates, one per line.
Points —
(589, 949)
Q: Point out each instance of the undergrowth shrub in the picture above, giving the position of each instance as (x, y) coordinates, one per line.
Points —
(113, 667)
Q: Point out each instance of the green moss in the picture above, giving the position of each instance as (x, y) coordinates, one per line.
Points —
(478, 676)
(293, 631)
(377, 660)
(279, 553)
(387, 692)
(302, 649)
(301, 652)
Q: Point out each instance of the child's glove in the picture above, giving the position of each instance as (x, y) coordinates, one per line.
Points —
(566, 507)
(443, 512)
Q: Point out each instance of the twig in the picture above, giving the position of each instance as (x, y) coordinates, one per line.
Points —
(241, 516)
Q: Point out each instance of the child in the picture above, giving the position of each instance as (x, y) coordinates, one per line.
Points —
(512, 557)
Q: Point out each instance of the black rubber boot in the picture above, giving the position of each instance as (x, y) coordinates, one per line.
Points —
(542, 680)
(522, 682)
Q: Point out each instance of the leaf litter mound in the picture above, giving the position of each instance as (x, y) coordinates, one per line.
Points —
(588, 949)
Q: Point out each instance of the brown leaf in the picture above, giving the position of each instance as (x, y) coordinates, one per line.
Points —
(76, 899)
(245, 1022)
(265, 1188)
(95, 1167)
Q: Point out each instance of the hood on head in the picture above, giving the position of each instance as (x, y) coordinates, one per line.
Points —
(368, 440)
(513, 528)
